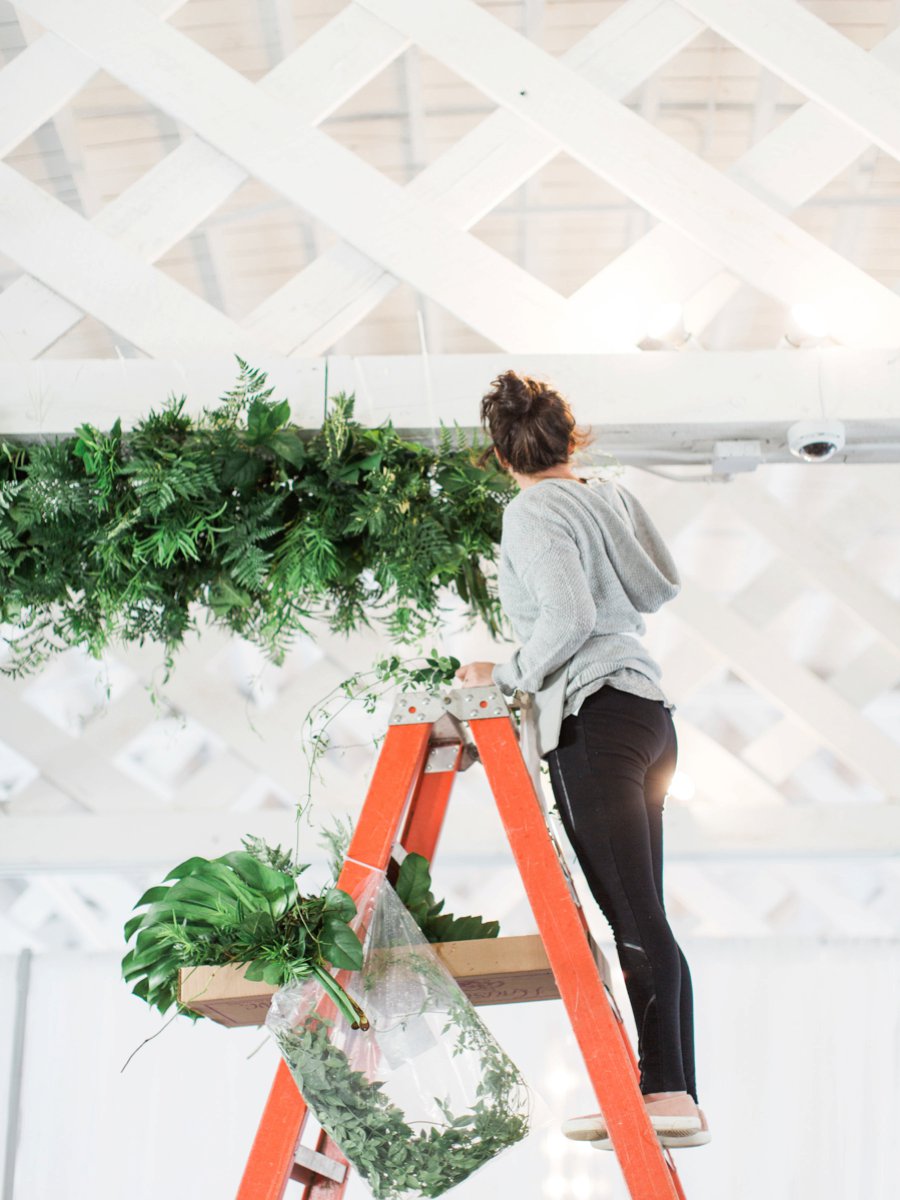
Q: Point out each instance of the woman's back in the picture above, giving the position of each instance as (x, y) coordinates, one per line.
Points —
(627, 564)
(579, 564)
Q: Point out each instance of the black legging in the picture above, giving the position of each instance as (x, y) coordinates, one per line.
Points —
(610, 774)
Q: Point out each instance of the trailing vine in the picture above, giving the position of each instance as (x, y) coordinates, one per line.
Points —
(260, 524)
(387, 675)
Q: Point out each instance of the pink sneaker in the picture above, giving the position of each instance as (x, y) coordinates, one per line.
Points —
(592, 1127)
(699, 1137)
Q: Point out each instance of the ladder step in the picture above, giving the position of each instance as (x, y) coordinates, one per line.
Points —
(502, 970)
(310, 1166)
(507, 970)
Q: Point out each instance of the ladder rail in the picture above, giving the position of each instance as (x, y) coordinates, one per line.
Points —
(596, 1029)
(396, 775)
(403, 791)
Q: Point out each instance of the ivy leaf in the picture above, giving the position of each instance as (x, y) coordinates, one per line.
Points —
(414, 881)
(263, 419)
(273, 885)
(288, 444)
(242, 470)
(339, 945)
(339, 903)
(189, 867)
(224, 597)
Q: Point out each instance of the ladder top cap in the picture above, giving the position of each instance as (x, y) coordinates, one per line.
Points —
(466, 704)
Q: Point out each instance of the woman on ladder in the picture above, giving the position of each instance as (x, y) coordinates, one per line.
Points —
(579, 562)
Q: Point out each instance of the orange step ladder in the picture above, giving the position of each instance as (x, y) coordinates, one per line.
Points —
(424, 748)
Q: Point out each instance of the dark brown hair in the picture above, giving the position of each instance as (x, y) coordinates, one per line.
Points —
(530, 424)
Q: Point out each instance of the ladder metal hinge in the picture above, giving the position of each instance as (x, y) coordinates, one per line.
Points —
(442, 757)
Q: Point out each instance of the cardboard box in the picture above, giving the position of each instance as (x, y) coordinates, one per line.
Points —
(507, 970)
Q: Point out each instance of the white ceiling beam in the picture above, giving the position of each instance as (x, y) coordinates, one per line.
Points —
(71, 256)
(789, 166)
(94, 933)
(151, 841)
(723, 777)
(779, 750)
(64, 138)
(631, 398)
(690, 664)
(847, 916)
(769, 592)
(767, 250)
(312, 170)
(341, 287)
(268, 739)
(866, 677)
(720, 910)
(15, 937)
(166, 203)
(814, 58)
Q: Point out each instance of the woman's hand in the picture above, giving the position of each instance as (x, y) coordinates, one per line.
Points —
(476, 674)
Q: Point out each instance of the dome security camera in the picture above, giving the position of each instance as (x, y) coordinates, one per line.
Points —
(815, 441)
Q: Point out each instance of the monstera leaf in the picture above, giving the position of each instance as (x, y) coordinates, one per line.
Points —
(237, 908)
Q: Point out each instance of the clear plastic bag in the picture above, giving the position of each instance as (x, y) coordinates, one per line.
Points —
(425, 1095)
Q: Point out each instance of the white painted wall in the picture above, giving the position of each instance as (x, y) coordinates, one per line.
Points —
(798, 1062)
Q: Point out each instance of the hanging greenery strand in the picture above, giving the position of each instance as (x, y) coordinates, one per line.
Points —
(262, 525)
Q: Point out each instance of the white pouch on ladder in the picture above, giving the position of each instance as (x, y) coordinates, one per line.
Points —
(528, 743)
(540, 716)
(537, 714)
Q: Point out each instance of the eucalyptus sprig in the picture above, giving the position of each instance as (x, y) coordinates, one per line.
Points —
(237, 514)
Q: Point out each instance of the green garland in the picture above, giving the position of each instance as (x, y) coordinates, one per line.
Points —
(264, 525)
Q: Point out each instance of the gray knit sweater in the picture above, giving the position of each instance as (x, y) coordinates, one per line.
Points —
(579, 563)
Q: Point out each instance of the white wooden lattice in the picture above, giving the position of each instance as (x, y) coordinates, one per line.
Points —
(711, 223)
(716, 231)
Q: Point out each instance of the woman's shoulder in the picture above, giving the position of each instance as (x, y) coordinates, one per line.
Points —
(561, 497)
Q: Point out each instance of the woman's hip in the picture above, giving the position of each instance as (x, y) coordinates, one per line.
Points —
(617, 725)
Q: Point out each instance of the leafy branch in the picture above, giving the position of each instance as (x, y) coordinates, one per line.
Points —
(261, 525)
(244, 907)
(414, 889)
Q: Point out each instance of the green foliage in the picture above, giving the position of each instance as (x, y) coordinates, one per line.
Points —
(413, 886)
(372, 1131)
(244, 907)
(414, 889)
(262, 525)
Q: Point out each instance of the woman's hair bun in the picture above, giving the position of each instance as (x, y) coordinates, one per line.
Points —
(517, 393)
(530, 423)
